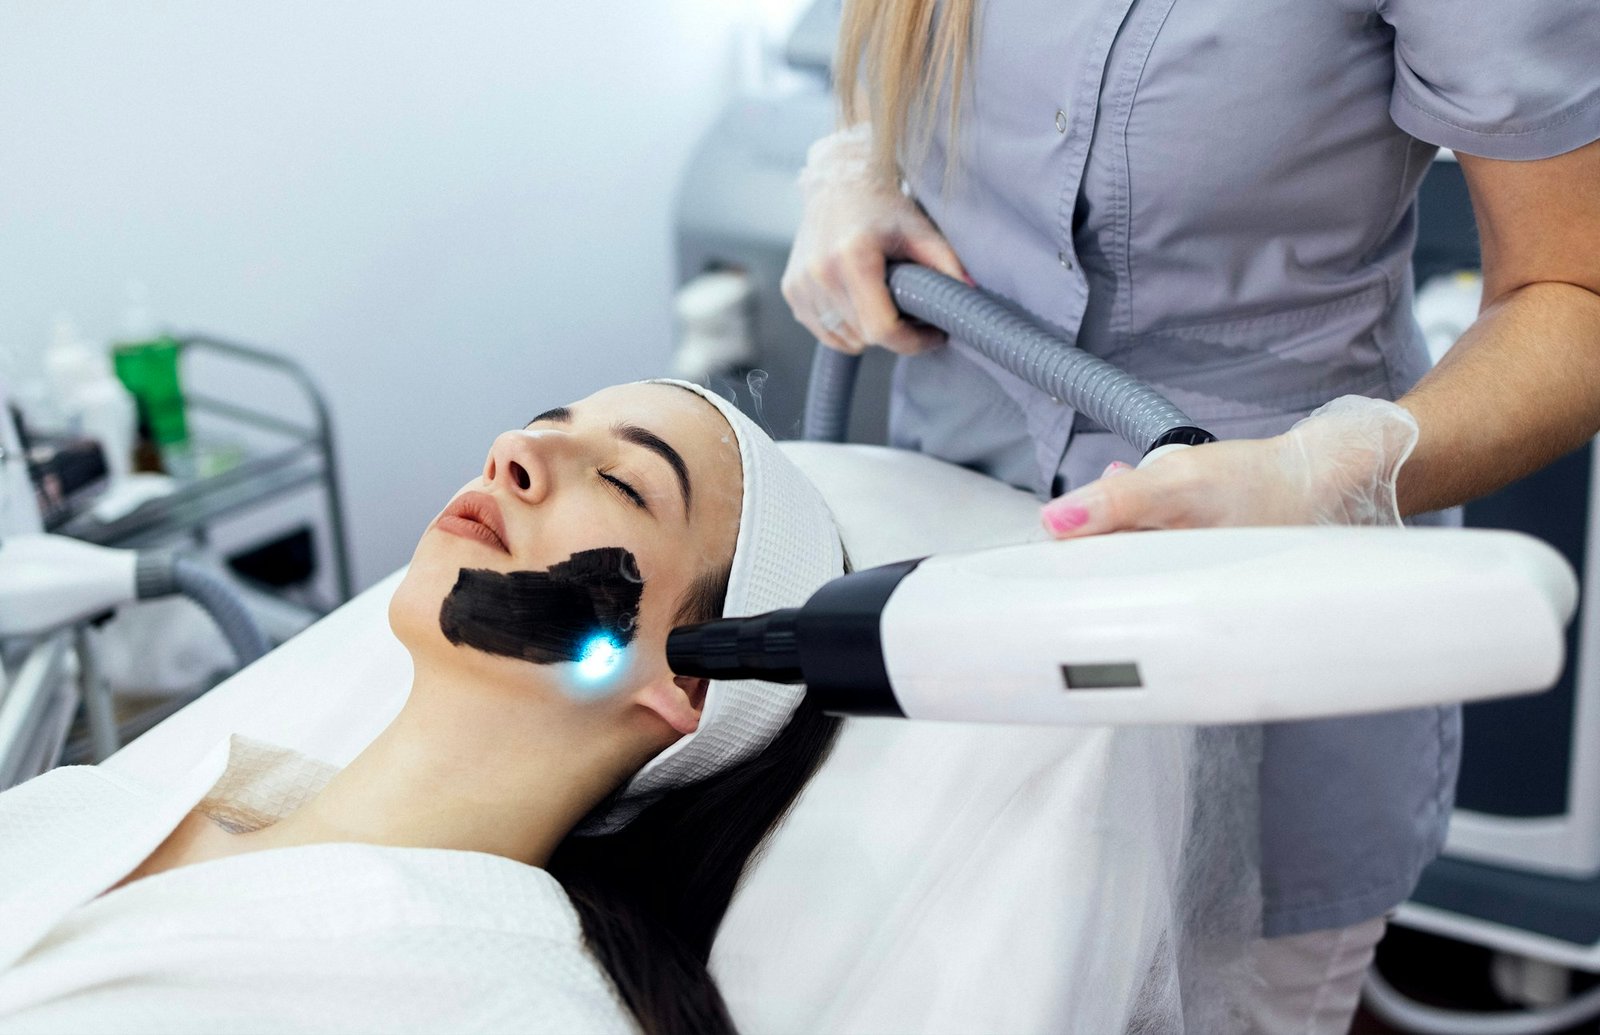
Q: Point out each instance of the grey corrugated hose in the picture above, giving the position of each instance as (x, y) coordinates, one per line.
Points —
(159, 573)
(1039, 354)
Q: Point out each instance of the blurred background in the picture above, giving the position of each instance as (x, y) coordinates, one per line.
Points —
(452, 215)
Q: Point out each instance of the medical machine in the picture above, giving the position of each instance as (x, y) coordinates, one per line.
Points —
(1205, 625)
(49, 581)
(50, 585)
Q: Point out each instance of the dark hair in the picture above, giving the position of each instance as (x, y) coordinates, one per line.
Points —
(652, 895)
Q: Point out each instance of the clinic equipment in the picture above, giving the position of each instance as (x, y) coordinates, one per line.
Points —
(49, 581)
(1206, 625)
(1213, 625)
(51, 585)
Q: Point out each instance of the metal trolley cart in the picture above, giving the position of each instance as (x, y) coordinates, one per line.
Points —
(254, 443)
(292, 455)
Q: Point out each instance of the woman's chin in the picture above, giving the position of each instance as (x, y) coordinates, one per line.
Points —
(414, 608)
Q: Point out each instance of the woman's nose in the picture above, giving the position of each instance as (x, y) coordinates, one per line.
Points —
(520, 462)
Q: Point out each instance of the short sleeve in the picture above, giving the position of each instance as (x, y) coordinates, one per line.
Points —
(1508, 79)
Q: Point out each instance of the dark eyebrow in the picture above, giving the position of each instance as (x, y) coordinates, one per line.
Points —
(560, 414)
(640, 437)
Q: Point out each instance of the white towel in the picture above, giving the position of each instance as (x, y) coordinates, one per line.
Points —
(332, 937)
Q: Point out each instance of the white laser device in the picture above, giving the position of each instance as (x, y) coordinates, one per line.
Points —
(50, 581)
(1194, 626)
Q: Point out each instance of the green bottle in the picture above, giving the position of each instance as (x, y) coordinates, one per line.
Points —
(146, 362)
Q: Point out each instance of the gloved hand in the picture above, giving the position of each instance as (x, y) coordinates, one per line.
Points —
(854, 221)
(1336, 467)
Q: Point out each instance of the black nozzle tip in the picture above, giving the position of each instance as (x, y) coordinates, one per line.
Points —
(1186, 435)
(758, 647)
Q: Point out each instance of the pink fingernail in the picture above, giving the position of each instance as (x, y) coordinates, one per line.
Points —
(1066, 517)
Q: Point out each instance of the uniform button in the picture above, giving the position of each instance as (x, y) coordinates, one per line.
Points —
(1061, 121)
(1066, 263)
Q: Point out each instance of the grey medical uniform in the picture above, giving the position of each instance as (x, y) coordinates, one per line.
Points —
(1218, 197)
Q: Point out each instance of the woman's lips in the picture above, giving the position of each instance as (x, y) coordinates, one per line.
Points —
(475, 515)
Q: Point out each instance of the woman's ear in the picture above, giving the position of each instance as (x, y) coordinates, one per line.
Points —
(677, 701)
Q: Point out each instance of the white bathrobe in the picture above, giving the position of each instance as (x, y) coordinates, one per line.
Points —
(332, 937)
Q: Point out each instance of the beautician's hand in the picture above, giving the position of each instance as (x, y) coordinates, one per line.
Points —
(1336, 467)
(854, 221)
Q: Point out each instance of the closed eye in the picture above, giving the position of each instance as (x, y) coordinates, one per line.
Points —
(626, 491)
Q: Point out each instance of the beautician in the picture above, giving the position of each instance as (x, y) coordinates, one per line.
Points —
(1220, 199)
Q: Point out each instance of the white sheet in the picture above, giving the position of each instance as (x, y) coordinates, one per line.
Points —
(334, 937)
(933, 877)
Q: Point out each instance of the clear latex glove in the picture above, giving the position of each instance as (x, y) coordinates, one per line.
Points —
(854, 221)
(1336, 467)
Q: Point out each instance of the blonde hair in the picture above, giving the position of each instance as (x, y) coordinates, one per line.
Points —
(892, 65)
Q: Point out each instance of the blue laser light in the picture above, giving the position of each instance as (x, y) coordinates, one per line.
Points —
(599, 657)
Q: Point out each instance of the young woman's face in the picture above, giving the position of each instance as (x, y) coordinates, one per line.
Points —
(599, 514)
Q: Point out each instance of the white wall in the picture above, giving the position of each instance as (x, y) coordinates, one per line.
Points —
(455, 214)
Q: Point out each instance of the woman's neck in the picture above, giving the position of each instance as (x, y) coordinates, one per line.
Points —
(471, 767)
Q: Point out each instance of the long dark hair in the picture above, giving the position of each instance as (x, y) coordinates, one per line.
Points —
(652, 895)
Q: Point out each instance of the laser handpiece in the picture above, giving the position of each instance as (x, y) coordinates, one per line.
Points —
(1192, 626)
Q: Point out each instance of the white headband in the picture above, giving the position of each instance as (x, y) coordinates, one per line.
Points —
(788, 546)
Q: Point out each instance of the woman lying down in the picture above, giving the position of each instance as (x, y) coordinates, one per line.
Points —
(547, 835)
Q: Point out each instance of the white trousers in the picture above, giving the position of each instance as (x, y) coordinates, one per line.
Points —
(1312, 982)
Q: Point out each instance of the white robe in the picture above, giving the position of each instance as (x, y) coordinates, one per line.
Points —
(328, 937)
